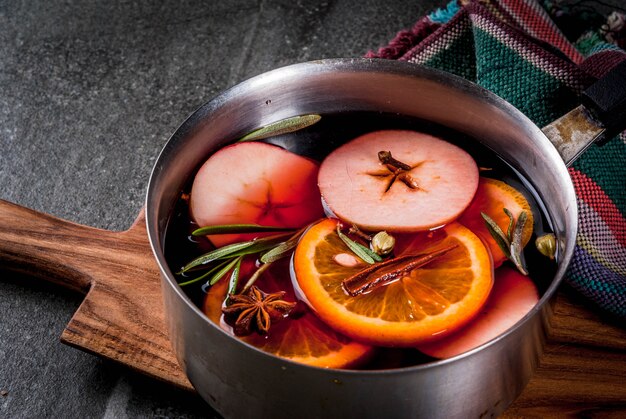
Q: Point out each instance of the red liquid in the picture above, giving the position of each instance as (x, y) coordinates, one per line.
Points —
(316, 142)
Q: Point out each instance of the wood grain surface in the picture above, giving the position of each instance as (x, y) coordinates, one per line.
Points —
(582, 373)
(121, 317)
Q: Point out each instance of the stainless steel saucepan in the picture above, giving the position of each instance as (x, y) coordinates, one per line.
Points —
(241, 381)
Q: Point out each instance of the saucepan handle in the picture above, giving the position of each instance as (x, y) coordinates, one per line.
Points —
(606, 100)
(601, 116)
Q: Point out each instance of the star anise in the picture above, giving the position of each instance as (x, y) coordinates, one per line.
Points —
(256, 310)
(395, 170)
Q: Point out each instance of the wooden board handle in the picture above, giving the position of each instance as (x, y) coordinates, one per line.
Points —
(122, 315)
(45, 247)
(69, 254)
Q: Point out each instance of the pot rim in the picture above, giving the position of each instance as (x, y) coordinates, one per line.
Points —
(401, 68)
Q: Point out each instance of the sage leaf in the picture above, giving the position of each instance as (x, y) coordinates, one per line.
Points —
(236, 229)
(516, 243)
(498, 235)
(282, 127)
(366, 254)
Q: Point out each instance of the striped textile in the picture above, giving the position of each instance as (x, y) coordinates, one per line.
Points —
(514, 49)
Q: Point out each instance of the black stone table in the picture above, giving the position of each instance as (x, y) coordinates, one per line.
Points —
(89, 93)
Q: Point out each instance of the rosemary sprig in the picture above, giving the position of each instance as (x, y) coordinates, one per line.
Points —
(234, 250)
(234, 277)
(283, 249)
(263, 244)
(223, 260)
(219, 274)
(511, 242)
(236, 229)
(365, 253)
(219, 253)
(282, 127)
(203, 276)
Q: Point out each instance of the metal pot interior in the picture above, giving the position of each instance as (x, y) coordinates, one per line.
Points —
(220, 366)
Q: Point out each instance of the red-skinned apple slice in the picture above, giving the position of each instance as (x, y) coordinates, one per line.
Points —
(436, 185)
(255, 183)
(512, 297)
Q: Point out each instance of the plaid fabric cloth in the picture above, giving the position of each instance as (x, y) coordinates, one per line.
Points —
(515, 49)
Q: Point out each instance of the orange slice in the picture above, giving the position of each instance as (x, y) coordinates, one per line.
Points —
(301, 337)
(491, 198)
(430, 302)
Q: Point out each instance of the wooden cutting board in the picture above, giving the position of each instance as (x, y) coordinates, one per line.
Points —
(121, 318)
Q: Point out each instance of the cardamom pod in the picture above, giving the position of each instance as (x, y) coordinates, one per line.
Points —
(382, 243)
(546, 245)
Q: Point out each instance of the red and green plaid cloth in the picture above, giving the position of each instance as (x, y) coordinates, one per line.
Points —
(515, 49)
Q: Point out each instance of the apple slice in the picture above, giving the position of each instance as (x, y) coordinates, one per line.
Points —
(425, 183)
(512, 297)
(255, 183)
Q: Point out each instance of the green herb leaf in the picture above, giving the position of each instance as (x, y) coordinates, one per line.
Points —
(205, 275)
(275, 245)
(284, 249)
(234, 277)
(358, 249)
(261, 245)
(229, 250)
(282, 127)
(236, 249)
(220, 274)
(236, 228)
(516, 243)
(509, 230)
(498, 235)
